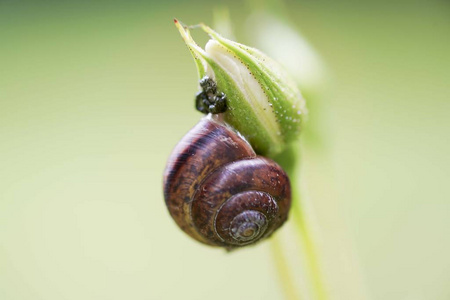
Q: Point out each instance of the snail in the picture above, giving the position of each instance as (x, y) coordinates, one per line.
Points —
(218, 190)
(220, 185)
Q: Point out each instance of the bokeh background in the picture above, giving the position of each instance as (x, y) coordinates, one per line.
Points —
(94, 95)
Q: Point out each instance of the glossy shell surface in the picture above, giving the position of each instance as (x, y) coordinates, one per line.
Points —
(220, 192)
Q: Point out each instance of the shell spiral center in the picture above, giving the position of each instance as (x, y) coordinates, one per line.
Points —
(248, 226)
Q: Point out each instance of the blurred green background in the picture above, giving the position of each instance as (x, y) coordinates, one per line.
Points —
(95, 94)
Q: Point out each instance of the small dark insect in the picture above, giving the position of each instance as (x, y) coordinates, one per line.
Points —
(208, 85)
(219, 105)
(209, 100)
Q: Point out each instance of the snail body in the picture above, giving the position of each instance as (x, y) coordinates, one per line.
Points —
(220, 192)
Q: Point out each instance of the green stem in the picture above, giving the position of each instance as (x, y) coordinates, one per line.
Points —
(284, 273)
(310, 251)
(289, 160)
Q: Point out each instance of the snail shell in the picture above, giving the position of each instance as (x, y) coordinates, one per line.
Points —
(220, 192)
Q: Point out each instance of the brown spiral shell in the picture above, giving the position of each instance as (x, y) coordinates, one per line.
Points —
(220, 192)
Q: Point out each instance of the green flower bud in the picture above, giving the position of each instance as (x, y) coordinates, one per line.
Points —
(262, 102)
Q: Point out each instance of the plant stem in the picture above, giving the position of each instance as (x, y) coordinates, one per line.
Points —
(310, 251)
(285, 277)
(289, 160)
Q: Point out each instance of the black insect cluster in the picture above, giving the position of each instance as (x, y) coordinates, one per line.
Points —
(209, 100)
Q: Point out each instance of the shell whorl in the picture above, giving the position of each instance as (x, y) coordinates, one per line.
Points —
(220, 192)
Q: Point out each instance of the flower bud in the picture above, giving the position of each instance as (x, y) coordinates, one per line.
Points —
(262, 102)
